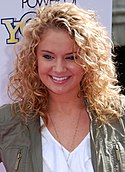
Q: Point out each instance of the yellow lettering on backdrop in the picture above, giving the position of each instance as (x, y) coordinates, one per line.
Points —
(13, 27)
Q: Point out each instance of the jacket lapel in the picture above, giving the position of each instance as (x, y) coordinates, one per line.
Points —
(36, 146)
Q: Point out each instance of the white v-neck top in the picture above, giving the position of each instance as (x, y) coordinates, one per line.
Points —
(54, 159)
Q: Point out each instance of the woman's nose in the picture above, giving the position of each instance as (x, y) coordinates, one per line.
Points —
(59, 66)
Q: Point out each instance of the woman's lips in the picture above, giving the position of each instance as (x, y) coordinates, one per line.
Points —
(60, 79)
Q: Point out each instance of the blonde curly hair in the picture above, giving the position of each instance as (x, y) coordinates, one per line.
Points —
(99, 85)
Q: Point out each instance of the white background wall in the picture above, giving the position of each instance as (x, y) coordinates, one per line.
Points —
(13, 10)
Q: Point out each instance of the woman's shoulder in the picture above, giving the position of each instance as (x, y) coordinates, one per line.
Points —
(7, 114)
(123, 106)
(123, 100)
(5, 107)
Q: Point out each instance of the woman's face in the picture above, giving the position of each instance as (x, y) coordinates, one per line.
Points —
(56, 65)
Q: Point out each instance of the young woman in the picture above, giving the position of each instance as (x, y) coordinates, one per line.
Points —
(68, 113)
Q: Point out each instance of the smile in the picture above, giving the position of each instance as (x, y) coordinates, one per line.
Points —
(59, 78)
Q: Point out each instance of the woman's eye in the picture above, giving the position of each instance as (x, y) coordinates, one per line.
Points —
(70, 58)
(48, 57)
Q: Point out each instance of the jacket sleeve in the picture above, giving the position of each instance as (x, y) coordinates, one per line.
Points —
(15, 143)
(0, 158)
(4, 117)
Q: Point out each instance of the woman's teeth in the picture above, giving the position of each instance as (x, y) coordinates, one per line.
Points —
(59, 79)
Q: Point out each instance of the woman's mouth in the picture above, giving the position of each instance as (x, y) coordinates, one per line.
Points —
(60, 79)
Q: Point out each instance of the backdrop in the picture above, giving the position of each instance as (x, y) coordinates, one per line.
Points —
(13, 16)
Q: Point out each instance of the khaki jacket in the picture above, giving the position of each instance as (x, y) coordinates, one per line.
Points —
(21, 150)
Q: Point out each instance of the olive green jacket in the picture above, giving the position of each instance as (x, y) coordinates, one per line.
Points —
(21, 150)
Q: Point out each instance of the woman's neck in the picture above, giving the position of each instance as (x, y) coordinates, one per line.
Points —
(65, 104)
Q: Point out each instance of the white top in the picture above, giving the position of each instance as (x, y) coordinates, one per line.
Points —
(54, 159)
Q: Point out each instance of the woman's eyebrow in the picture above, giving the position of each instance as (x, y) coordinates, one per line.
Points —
(46, 51)
(71, 53)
